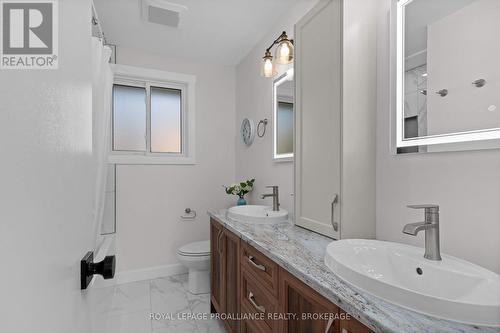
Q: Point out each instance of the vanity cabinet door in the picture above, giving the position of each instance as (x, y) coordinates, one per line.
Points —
(311, 310)
(249, 326)
(353, 326)
(225, 273)
(231, 264)
(217, 289)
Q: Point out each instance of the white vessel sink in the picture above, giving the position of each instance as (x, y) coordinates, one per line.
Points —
(257, 214)
(451, 289)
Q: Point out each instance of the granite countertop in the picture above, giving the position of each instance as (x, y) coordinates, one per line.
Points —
(301, 252)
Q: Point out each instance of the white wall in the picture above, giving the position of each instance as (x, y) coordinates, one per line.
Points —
(150, 198)
(254, 101)
(47, 185)
(465, 184)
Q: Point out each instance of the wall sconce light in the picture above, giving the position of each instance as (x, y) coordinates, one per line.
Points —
(283, 55)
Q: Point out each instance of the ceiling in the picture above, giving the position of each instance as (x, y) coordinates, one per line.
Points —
(211, 31)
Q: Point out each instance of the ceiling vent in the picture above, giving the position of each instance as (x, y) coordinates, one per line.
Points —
(162, 12)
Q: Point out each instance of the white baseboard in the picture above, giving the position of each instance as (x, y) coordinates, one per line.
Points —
(140, 275)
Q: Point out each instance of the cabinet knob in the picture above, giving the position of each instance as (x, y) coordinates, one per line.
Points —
(329, 324)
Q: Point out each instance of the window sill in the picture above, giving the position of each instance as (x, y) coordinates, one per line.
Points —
(145, 160)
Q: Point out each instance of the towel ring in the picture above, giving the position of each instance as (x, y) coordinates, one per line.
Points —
(262, 122)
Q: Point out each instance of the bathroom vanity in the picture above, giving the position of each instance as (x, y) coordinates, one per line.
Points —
(280, 268)
(246, 282)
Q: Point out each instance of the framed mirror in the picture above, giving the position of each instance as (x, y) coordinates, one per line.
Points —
(283, 115)
(446, 81)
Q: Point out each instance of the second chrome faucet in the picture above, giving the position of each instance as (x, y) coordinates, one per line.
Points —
(431, 227)
(275, 196)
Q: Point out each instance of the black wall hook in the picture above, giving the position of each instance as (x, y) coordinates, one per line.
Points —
(88, 268)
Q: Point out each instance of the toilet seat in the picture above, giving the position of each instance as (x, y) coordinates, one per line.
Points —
(196, 249)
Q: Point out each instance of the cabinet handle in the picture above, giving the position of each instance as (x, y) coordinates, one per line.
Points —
(329, 325)
(335, 225)
(251, 260)
(344, 331)
(259, 308)
(218, 241)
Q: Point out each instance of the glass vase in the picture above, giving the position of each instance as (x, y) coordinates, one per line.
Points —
(241, 201)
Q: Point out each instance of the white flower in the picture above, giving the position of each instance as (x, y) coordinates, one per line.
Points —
(237, 189)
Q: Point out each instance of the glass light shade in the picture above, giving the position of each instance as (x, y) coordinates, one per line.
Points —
(284, 52)
(268, 67)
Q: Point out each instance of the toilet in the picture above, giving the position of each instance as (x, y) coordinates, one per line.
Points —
(196, 257)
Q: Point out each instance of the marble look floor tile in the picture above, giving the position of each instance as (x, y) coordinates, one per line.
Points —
(127, 308)
(210, 326)
(169, 295)
(199, 303)
(128, 323)
(121, 299)
(175, 326)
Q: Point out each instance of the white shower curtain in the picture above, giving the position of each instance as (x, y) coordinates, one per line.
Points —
(102, 82)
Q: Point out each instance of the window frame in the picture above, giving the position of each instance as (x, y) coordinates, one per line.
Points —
(148, 78)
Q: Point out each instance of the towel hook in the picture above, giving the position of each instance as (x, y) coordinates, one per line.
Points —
(479, 83)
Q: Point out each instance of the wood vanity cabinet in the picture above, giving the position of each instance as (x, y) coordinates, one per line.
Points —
(216, 276)
(244, 281)
(225, 273)
(353, 326)
(300, 300)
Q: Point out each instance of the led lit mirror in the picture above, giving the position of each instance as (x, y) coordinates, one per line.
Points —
(447, 75)
(283, 89)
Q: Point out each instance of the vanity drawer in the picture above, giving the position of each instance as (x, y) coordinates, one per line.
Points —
(264, 269)
(249, 326)
(258, 301)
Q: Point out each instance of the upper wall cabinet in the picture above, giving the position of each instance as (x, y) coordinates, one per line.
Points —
(446, 75)
(335, 77)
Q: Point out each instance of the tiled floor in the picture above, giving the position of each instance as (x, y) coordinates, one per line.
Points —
(127, 308)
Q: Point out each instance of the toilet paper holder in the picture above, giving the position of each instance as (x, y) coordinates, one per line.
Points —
(190, 214)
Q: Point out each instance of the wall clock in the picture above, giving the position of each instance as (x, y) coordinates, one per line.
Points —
(247, 131)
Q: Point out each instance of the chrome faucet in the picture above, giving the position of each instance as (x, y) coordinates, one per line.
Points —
(275, 195)
(431, 227)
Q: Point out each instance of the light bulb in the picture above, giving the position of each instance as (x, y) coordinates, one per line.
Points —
(268, 68)
(284, 52)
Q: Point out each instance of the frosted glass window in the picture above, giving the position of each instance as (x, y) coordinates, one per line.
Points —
(166, 120)
(129, 118)
(284, 133)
